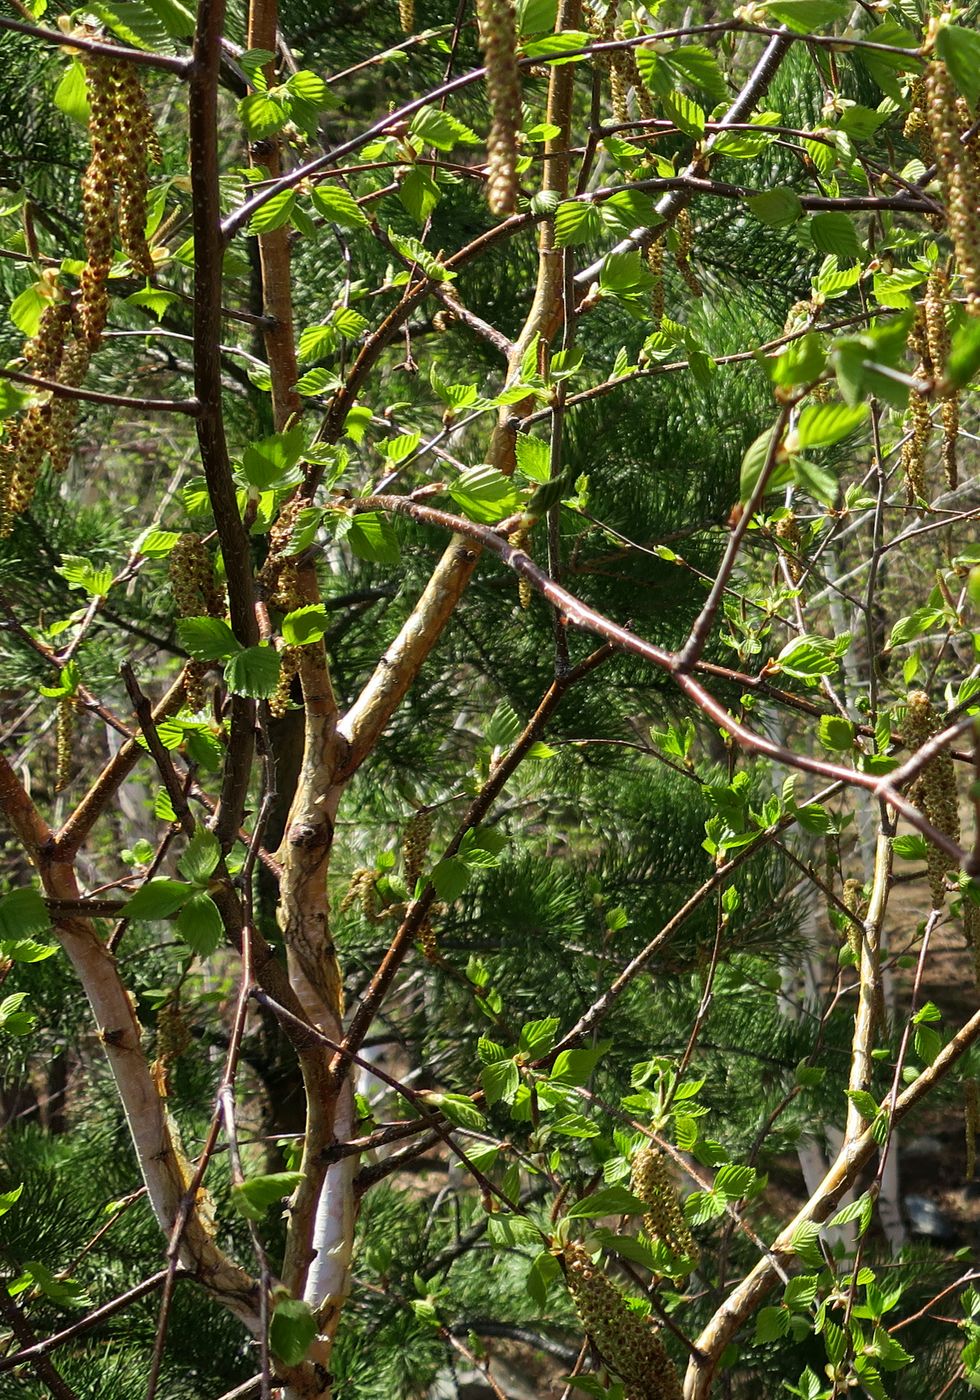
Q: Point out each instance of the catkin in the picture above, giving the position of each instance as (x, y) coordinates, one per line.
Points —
(625, 1340)
(790, 541)
(959, 178)
(933, 790)
(918, 417)
(971, 1119)
(655, 262)
(650, 1182)
(63, 741)
(518, 539)
(362, 891)
(498, 41)
(682, 255)
(288, 666)
(196, 594)
(855, 903)
(937, 339)
(415, 847)
(406, 16)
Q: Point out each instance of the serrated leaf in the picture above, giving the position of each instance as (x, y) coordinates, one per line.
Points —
(484, 494)
(253, 671)
(253, 1197)
(305, 625)
(576, 223)
(822, 425)
(199, 924)
(340, 207)
(207, 638)
(612, 1200)
(71, 94)
(291, 1330)
(458, 1108)
(537, 1037)
(500, 1081)
(157, 899)
(835, 233)
(22, 914)
(372, 537)
(200, 860)
(777, 207)
(686, 114)
(959, 49)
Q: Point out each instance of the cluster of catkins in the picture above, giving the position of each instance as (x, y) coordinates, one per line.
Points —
(196, 594)
(934, 789)
(790, 542)
(415, 853)
(929, 340)
(663, 1220)
(626, 1340)
(947, 117)
(498, 42)
(114, 193)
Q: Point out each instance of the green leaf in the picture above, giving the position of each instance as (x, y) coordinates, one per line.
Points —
(836, 734)
(959, 49)
(419, 193)
(500, 1081)
(777, 207)
(484, 494)
(441, 129)
(864, 1102)
(612, 1200)
(533, 457)
(254, 671)
(305, 625)
(158, 899)
(199, 924)
(537, 1037)
(207, 638)
(12, 399)
(340, 207)
(503, 727)
(82, 573)
(458, 1108)
(71, 94)
(276, 212)
(372, 537)
(801, 362)
(754, 463)
(835, 233)
(576, 223)
(809, 657)
(686, 115)
(733, 1182)
(26, 310)
(200, 860)
(911, 847)
(544, 1271)
(450, 876)
(22, 914)
(151, 299)
(963, 360)
(699, 65)
(806, 16)
(576, 1066)
(253, 1197)
(292, 1330)
(262, 115)
(8, 1199)
(14, 1020)
(771, 1324)
(157, 544)
(822, 425)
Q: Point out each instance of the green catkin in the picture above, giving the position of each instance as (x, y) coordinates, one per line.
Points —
(498, 42)
(625, 1339)
(918, 418)
(362, 891)
(63, 742)
(959, 178)
(971, 1121)
(933, 790)
(650, 1182)
(415, 847)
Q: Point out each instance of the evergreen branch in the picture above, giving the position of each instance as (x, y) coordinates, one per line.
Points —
(141, 57)
(27, 1355)
(190, 407)
(854, 1155)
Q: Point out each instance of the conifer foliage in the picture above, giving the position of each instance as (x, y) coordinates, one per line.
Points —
(488, 701)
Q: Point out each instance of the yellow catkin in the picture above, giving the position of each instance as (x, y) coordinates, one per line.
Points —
(655, 262)
(971, 1118)
(855, 903)
(135, 139)
(98, 198)
(406, 16)
(916, 126)
(651, 1182)
(971, 927)
(518, 539)
(288, 666)
(934, 789)
(790, 541)
(935, 303)
(918, 419)
(278, 577)
(498, 41)
(63, 742)
(626, 1341)
(415, 847)
(682, 255)
(64, 412)
(959, 178)
(362, 891)
(196, 594)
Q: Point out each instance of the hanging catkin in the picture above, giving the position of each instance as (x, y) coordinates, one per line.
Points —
(934, 789)
(937, 338)
(195, 594)
(959, 178)
(406, 16)
(625, 1340)
(498, 41)
(790, 540)
(650, 1182)
(918, 417)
